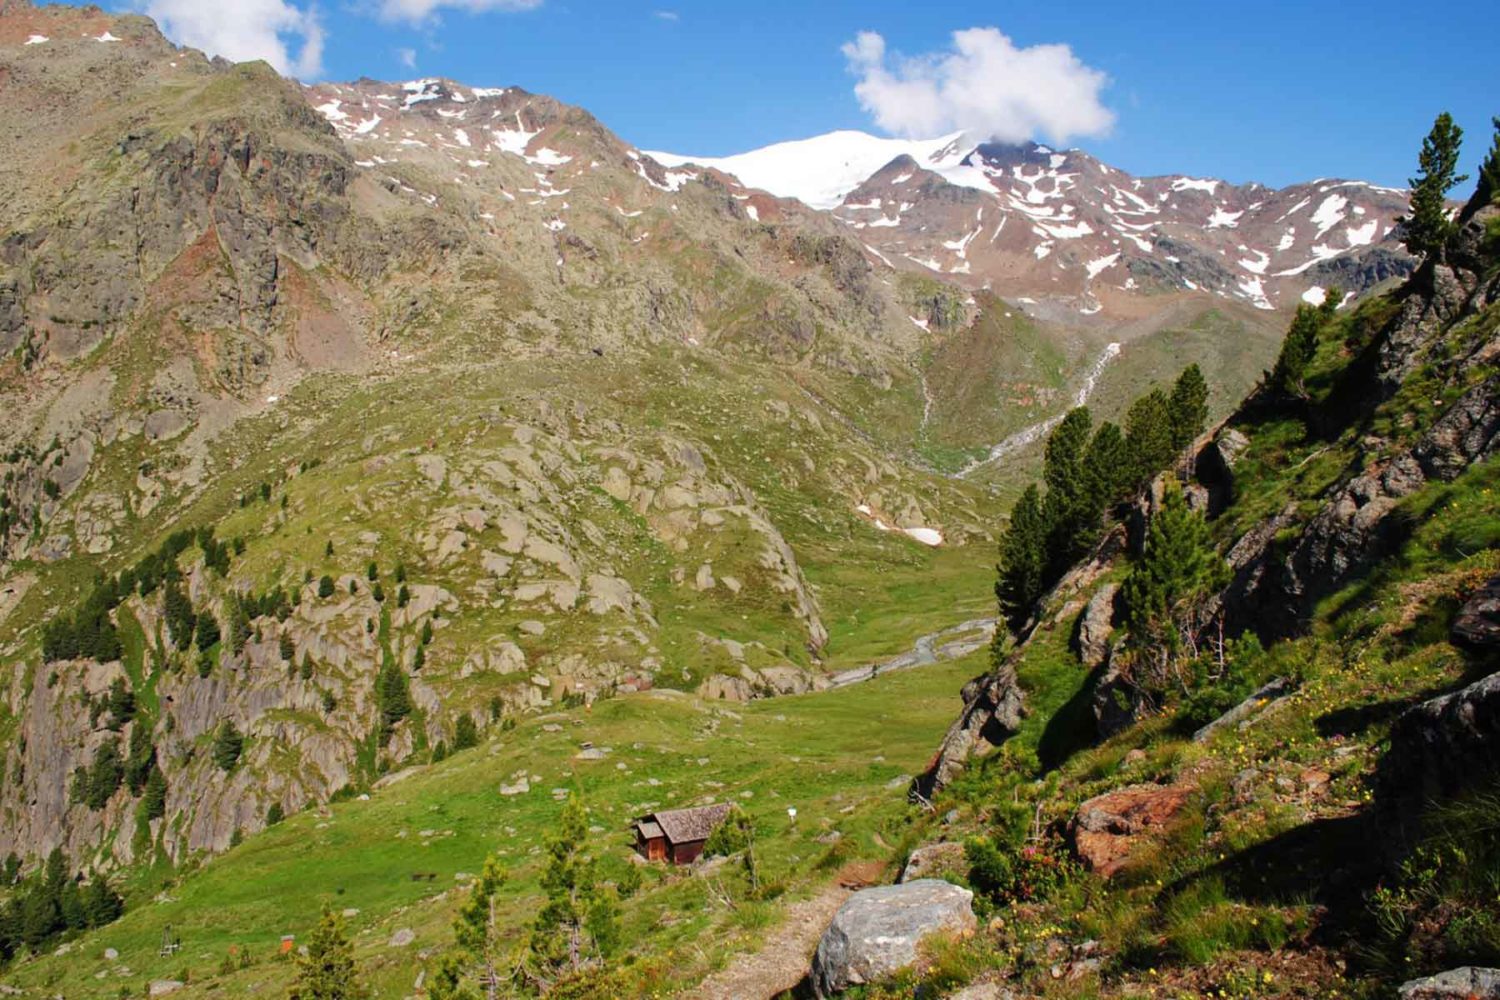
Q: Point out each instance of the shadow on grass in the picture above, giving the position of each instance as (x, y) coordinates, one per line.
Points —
(1071, 728)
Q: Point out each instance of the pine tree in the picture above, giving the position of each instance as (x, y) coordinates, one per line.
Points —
(427, 632)
(1068, 508)
(1427, 224)
(104, 776)
(372, 571)
(208, 633)
(1148, 437)
(1297, 352)
(140, 759)
(70, 907)
(1488, 191)
(480, 957)
(154, 797)
(101, 904)
(228, 745)
(1022, 559)
(392, 696)
(327, 971)
(1106, 467)
(1187, 409)
(1163, 595)
(574, 926)
(237, 624)
(178, 611)
(465, 733)
(325, 586)
(121, 704)
(287, 647)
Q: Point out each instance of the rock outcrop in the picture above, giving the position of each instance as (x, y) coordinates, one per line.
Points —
(1477, 626)
(1440, 746)
(1109, 829)
(877, 931)
(1466, 983)
(1095, 625)
(993, 708)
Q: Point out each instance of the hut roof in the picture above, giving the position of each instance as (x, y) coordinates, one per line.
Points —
(683, 825)
(648, 830)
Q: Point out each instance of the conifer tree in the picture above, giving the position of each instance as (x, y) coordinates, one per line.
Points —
(392, 696)
(208, 632)
(178, 611)
(327, 971)
(237, 620)
(1148, 436)
(465, 733)
(1488, 191)
(1187, 410)
(140, 759)
(228, 745)
(574, 926)
(70, 907)
(1297, 352)
(481, 957)
(1164, 593)
(1022, 559)
(325, 586)
(154, 797)
(1068, 507)
(121, 704)
(101, 904)
(1106, 467)
(1427, 224)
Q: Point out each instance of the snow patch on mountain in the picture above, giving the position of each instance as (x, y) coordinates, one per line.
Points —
(820, 172)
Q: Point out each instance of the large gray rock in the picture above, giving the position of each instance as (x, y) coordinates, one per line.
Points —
(1477, 626)
(1440, 746)
(994, 705)
(877, 931)
(1095, 625)
(1467, 983)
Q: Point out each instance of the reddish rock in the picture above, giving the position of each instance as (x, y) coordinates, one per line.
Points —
(1108, 829)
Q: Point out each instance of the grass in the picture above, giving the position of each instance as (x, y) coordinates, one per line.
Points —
(839, 757)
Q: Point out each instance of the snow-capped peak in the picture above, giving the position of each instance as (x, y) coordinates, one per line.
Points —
(821, 171)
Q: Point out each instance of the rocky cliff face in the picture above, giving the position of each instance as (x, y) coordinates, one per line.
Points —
(1438, 345)
(1277, 578)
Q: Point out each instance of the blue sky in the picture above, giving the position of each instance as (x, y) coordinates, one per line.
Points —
(1276, 92)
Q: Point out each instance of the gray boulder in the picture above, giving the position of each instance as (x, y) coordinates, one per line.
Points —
(877, 931)
(1440, 746)
(1095, 625)
(1467, 983)
(1477, 626)
(994, 706)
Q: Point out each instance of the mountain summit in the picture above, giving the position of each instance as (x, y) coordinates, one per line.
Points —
(1078, 235)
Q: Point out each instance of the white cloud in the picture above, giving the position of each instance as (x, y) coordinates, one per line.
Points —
(422, 10)
(241, 30)
(983, 85)
(666, 15)
(408, 57)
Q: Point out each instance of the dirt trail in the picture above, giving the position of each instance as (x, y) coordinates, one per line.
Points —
(784, 957)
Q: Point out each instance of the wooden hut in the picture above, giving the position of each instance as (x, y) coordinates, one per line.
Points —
(677, 835)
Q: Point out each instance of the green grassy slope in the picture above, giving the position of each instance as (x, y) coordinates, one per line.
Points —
(841, 758)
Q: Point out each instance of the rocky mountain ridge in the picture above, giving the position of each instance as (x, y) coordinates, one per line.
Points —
(1069, 237)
